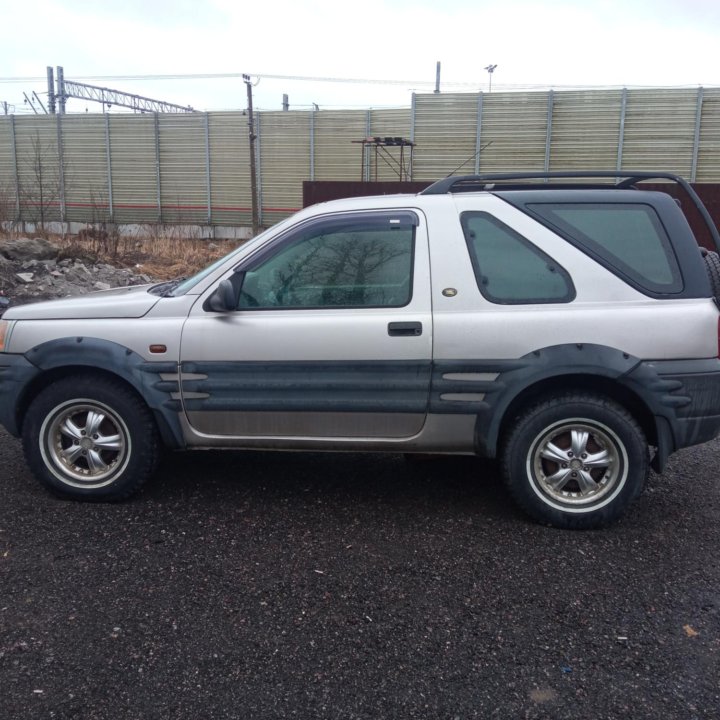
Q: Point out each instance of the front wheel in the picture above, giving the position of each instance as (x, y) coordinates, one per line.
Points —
(577, 461)
(90, 438)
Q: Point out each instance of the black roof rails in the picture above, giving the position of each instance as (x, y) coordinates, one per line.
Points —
(623, 179)
(470, 183)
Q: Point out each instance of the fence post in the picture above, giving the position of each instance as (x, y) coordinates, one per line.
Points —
(412, 131)
(696, 138)
(312, 144)
(478, 133)
(157, 167)
(548, 136)
(621, 138)
(207, 168)
(258, 168)
(61, 168)
(15, 169)
(108, 157)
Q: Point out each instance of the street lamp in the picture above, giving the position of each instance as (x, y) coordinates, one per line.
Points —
(490, 69)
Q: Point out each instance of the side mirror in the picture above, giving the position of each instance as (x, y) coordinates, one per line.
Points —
(223, 299)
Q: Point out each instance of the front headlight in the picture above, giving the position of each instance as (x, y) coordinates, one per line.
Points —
(5, 326)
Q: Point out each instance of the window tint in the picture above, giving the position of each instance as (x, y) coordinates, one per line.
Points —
(337, 265)
(508, 268)
(628, 237)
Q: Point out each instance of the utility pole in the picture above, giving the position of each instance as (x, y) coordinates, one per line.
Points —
(5, 106)
(61, 97)
(286, 103)
(490, 69)
(51, 90)
(253, 171)
(437, 77)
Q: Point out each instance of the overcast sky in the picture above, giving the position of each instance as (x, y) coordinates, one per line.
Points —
(553, 43)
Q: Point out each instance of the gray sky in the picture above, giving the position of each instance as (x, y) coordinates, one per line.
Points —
(554, 43)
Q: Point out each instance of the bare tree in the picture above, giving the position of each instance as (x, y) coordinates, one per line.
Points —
(40, 184)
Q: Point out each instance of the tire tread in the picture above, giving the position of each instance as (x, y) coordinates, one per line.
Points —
(146, 452)
(534, 508)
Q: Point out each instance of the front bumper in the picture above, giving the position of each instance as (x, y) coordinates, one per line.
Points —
(16, 374)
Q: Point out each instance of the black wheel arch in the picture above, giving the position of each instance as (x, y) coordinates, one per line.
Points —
(556, 370)
(94, 357)
(612, 388)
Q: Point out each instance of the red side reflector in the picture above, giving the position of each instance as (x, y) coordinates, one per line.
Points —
(159, 349)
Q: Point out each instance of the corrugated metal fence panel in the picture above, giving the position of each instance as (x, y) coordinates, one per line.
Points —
(708, 169)
(285, 157)
(134, 169)
(230, 168)
(7, 171)
(394, 122)
(183, 178)
(659, 134)
(585, 130)
(445, 135)
(515, 125)
(659, 130)
(85, 155)
(38, 168)
(336, 156)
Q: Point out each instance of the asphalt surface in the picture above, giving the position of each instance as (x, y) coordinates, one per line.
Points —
(260, 585)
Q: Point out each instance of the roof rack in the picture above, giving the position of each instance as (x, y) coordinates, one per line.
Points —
(623, 180)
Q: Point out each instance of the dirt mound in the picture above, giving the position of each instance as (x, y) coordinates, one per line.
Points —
(34, 269)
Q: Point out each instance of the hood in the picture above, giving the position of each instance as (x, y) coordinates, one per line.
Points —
(126, 302)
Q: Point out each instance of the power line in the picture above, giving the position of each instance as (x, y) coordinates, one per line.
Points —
(221, 76)
(475, 85)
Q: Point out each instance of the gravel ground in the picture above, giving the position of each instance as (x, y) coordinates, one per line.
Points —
(260, 585)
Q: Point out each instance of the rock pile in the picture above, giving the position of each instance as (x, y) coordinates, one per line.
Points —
(31, 269)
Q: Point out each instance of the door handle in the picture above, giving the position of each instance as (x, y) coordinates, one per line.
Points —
(404, 329)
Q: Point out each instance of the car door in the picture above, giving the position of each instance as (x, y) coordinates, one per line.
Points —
(331, 335)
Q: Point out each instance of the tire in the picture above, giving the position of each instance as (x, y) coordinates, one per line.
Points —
(90, 438)
(576, 461)
(712, 265)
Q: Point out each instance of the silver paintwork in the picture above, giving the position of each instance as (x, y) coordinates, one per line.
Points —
(128, 302)
(465, 326)
(453, 434)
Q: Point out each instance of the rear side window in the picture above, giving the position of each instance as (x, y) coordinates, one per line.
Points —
(509, 269)
(627, 238)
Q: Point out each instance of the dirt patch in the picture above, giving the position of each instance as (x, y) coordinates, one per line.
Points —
(40, 268)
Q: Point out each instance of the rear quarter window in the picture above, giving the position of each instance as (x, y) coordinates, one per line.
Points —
(627, 238)
(509, 269)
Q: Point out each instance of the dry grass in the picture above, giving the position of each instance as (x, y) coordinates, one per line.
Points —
(162, 257)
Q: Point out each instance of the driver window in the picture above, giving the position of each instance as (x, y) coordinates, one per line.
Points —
(340, 266)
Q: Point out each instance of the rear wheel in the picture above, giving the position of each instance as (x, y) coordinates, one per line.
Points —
(90, 438)
(577, 461)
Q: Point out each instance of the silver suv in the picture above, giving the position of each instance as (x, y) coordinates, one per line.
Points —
(567, 328)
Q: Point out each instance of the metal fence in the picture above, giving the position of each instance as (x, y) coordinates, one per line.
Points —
(194, 168)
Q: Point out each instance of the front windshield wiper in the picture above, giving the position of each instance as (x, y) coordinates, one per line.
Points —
(164, 289)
